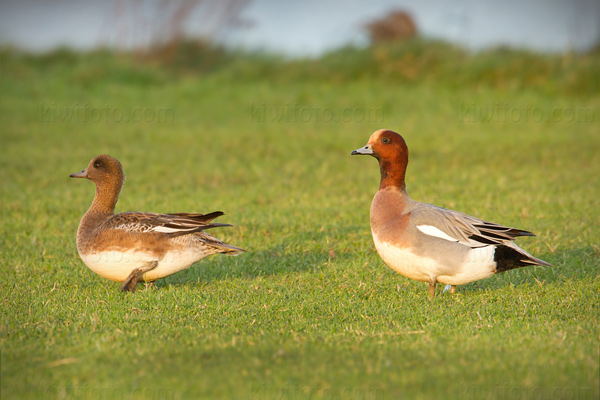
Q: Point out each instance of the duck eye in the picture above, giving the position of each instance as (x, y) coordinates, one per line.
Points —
(97, 164)
(385, 140)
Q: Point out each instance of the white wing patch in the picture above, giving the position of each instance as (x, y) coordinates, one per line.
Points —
(165, 229)
(433, 231)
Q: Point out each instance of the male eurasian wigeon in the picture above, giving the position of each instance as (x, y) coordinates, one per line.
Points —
(429, 243)
(132, 246)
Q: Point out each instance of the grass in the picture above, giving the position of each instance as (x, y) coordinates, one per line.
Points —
(310, 311)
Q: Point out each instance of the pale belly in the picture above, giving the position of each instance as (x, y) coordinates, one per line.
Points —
(404, 262)
(117, 265)
(476, 264)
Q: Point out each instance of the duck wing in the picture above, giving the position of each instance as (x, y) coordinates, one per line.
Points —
(462, 228)
(175, 224)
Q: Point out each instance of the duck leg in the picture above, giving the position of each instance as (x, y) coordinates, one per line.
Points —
(132, 280)
(432, 283)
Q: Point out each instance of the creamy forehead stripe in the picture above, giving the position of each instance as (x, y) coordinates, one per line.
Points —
(433, 231)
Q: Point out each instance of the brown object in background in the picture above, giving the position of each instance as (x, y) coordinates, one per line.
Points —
(396, 26)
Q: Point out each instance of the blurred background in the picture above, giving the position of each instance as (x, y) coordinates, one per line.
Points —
(252, 107)
(297, 28)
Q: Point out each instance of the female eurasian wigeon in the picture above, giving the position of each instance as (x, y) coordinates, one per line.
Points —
(429, 243)
(132, 246)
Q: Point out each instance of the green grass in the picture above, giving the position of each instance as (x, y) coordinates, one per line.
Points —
(310, 311)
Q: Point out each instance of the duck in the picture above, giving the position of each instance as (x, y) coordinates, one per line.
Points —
(428, 243)
(132, 247)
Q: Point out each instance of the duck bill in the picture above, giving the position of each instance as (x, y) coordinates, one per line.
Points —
(367, 150)
(80, 174)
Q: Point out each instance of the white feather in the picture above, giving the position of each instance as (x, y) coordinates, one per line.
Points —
(482, 255)
(433, 231)
(164, 229)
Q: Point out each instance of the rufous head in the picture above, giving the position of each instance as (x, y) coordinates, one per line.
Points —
(389, 148)
(102, 168)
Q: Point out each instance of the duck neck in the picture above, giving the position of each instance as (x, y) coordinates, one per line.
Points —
(105, 199)
(392, 174)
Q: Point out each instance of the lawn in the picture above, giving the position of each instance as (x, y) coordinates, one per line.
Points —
(310, 311)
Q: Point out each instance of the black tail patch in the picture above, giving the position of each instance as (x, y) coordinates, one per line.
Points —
(507, 258)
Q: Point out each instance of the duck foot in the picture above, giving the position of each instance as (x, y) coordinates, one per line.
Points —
(150, 285)
(132, 280)
(451, 288)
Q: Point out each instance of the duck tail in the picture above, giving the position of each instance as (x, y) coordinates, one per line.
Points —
(509, 256)
(213, 215)
(229, 249)
(219, 245)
